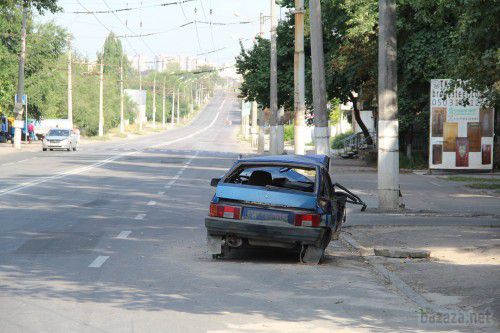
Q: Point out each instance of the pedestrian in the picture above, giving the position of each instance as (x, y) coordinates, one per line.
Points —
(4, 130)
(31, 131)
(12, 133)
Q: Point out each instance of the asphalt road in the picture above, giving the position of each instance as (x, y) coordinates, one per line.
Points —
(111, 239)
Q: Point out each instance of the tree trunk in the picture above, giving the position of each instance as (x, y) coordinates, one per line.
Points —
(360, 122)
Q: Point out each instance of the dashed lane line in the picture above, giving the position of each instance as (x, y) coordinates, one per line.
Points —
(98, 262)
(151, 203)
(140, 216)
(123, 234)
(76, 171)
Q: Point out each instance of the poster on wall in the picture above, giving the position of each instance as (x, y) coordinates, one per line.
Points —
(462, 153)
(450, 136)
(437, 154)
(461, 129)
(486, 156)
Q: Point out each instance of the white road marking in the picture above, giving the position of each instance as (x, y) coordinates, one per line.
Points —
(161, 193)
(168, 186)
(434, 183)
(197, 132)
(151, 203)
(180, 171)
(6, 164)
(98, 261)
(123, 234)
(63, 174)
(175, 177)
(140, 217)
(76, 171)
(25, 160)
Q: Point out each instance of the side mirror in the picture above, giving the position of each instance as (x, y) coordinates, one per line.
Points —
(214, 182)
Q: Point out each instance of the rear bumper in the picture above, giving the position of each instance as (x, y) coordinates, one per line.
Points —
(264, 230)
(56, 146)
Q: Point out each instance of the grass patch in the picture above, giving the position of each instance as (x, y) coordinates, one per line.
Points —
(485, 186)
(473, 179)
(121, 135)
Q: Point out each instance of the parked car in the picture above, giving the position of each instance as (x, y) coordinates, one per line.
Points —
(58, 138)
(286, 201)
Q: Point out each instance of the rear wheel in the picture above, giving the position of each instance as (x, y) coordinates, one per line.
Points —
(44, 149)
(311, 254)
(51, 149)
(74, 148)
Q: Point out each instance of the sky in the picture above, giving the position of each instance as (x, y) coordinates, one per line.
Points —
(89, 34)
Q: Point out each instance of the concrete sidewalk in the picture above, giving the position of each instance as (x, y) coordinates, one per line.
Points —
(458, 225)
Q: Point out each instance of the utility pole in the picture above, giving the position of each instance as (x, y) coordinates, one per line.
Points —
(163, 105)
(255, 128)
(178, 105)
(18, 107)
(140, 92)
(388, 144)
(154, 101)
(191, 106)
(321, 133)
(261, 31)
(122, 122)
(274, 85)
(70, 85)
(260, 116)
(172, 115)
(185, 97)
(101, 97)
(299, 80)
(262, 137)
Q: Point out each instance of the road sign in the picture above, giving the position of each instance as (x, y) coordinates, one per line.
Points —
(24, 99)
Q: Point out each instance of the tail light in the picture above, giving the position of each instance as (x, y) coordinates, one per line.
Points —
(307, 220)
(229, 212)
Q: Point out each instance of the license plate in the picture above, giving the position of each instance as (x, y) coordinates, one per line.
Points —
(263, 214)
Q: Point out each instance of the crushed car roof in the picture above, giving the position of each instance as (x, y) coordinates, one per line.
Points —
(312, 160)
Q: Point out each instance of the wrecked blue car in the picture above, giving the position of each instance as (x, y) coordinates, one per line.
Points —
(285, 201)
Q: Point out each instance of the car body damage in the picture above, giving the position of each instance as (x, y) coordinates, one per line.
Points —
(277, 201)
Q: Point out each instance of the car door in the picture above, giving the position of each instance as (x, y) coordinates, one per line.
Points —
(337, 204)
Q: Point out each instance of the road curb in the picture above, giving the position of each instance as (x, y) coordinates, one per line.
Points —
(390, 277)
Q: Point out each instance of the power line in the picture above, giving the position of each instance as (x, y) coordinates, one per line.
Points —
(126, 9)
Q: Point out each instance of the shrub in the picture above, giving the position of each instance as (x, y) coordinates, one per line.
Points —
(337, 140)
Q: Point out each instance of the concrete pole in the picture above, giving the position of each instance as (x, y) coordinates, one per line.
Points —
(70, 85)
(122, 121)
(101, 96)
(299, 80)
(262, 137)
(191, 106)
(321, 133)
(388, 144)
(273, 121)
(163, 100)
(261, 31)
(172, 112)
(255, 128)
(154, 101)
(18, 107)
(178, 105)
(242, 118)
(140, 92)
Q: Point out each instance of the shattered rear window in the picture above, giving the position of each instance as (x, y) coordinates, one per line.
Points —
(275, 177)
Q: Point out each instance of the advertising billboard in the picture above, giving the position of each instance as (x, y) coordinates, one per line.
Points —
(461, 129)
